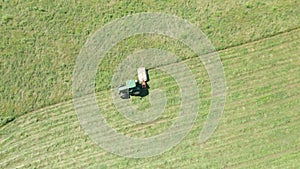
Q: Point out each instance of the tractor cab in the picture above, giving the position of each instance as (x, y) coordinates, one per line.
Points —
(126, 90)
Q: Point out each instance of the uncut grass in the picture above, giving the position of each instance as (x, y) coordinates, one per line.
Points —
(109, 63)
(243, 135)
(37, 58)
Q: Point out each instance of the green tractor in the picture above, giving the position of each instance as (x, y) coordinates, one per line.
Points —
(135, 87)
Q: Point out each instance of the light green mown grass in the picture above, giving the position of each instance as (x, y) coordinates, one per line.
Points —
(259, 128)
(40, 40)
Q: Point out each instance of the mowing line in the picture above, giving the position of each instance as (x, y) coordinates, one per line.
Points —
(261, 128)
(262, 38)
(67, 112)
(216, 152)
(276, 90)
(223, 132)
(267, 157)
(133, 125)
(221, 50)
(226, 141)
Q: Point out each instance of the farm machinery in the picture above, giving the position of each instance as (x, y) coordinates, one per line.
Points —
(135, 87)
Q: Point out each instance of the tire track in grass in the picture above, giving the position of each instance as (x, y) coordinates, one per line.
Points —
(264, 75)
(264, 158)
(253, 147)
(49, 128)
(137, 129)
(282, 160)
(292, 79)
(32, 143)
(215, 147)
(277, 89)
(59, 116)
(224, 132)
(258, 78)
(269, 95)
(277, 152)
(65, 140)
(110, 161)
(230, 54)
(56, 122)
(45, 129)
(260, 131)
(82, 156)
(248, 164)
(215, 153)
(253, 75)
(44, 145)
(222, 141)
(26, 121)
(258, 98)
(242, 76)
(260, 40)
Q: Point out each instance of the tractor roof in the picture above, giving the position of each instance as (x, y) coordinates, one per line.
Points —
(130, 83)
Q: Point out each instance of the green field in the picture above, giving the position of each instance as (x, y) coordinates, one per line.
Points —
(259, 46)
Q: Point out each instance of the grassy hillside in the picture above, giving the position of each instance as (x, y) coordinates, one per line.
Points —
(259, 45)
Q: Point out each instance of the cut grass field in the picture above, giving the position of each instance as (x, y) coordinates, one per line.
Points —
(259, 45)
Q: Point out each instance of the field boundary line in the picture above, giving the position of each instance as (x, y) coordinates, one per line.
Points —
(183, 60)
(260, 39)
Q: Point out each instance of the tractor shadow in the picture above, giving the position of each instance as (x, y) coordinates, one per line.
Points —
(142, 91)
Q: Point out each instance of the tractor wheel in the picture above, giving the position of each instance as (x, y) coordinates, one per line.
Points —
(124, 95)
